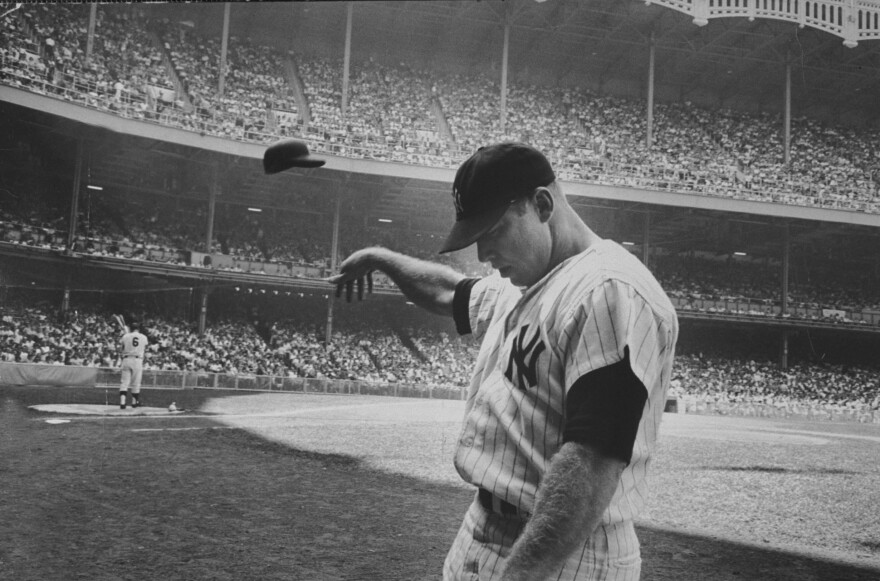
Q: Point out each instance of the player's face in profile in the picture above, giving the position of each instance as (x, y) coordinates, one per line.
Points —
(518, 246)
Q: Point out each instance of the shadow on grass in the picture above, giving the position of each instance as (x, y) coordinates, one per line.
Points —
(230, 501)
(778, 470)
(669, 555)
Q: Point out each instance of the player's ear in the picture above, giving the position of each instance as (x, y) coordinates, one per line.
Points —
(543, 200)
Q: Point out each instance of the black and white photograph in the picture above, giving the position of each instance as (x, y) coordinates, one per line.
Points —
(440, 290)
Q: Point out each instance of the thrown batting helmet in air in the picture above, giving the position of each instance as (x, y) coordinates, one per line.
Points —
(286, 154)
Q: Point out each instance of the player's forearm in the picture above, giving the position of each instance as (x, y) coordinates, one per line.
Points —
(427, 284)
(571, 500)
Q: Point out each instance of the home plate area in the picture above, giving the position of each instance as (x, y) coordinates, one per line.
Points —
(83, 409)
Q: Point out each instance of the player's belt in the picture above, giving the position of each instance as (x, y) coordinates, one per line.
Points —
(494, 504)
(132, 356)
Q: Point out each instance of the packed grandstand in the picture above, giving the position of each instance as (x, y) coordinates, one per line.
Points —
(433, 119)
(156, 71)
(412, 356)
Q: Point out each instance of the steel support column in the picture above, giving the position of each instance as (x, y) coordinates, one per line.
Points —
(90, 39)
(214, 191)
(649, 134)
(224, 46)
(74, 198)
(203, 310)
(786, 261)
(783, 349)
(65, 299)
(334, 250)
(504, 53)
(346, 66)
(787, 106)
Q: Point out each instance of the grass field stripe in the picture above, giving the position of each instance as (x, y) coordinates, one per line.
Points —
(334, 408)
(90, 499)
(874, 439)
(189, 429)
(211, 415)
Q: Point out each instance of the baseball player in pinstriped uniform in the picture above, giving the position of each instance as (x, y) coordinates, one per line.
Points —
(132, 347)
(577, 342)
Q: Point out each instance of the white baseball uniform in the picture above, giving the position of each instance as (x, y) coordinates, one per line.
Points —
(133, 346)
(594, 310)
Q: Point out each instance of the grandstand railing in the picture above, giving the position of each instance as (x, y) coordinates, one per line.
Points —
(180, 261)
(768, 308)
(169, 379)
(55, 241)
(27, 374)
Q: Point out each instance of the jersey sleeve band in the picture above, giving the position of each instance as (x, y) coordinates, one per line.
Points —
(603, 409)
(461, 305)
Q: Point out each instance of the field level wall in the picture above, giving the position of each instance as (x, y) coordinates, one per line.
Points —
(26, 374)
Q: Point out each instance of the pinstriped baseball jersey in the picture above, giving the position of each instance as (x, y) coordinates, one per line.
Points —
(536, 343)
(132, 347)
(133, 344)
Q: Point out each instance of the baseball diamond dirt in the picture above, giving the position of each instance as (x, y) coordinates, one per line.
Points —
(316, 487)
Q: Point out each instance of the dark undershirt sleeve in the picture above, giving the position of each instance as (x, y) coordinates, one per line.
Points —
(603, 410)
(461, 305)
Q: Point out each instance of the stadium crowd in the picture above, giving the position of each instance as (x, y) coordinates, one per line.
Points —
(172, 229)
(418, 357)
(691, 276)
(728, 380)
(167, 72)
(31, 334)
(170, 74)
(161, 229)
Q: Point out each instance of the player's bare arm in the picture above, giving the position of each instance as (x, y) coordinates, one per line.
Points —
(570, 502)
(427, 284)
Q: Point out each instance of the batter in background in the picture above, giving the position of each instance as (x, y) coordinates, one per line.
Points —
(569, 387)
(132, 347)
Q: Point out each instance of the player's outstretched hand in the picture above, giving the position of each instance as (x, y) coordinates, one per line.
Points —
(354, 271)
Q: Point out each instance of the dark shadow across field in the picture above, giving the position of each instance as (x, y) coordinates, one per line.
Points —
(671, 556)
(92, 500)
(779, 469)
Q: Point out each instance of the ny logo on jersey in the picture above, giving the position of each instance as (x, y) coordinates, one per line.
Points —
(526, 372)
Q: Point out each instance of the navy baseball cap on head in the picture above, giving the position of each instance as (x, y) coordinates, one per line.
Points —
(487, 182)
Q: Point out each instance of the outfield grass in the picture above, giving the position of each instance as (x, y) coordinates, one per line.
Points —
(304, 486)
